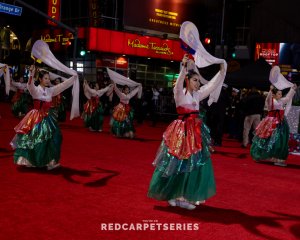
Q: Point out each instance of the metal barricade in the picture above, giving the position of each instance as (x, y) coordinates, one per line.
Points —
(165, 106)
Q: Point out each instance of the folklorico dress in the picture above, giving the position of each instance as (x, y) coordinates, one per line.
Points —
(122, 118)
(93, 110)
(183, 164)
(38, 139)
(270, 141)
(21, 101)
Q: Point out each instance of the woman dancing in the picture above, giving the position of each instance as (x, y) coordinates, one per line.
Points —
(93, 109)
(122, 124)
(21, 101)
(38, 139)
(271, 137)
(184, 174)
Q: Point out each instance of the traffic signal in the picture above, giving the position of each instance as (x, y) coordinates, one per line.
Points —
(81, 47)
(68, 43)
(207, 40)
(231, 51)
(82, 53)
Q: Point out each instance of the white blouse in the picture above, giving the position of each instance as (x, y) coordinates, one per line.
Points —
(89, 92)
(188, 100)
(278, 104)
(46, 94)
(19, 85)
(126, 98)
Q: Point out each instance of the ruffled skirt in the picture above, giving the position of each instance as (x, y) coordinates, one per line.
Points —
(270, 140)
(122, 120)
(191, 178)
(93, 115)
(37, 144)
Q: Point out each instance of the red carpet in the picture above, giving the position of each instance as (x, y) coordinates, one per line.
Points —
(105, 180)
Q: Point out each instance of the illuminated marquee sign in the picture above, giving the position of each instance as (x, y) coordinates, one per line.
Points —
(132, 44)
(268, 51)
(54, 11)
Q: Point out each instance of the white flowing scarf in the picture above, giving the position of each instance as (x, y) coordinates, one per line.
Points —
(280, 82)
(121, 80)
(190, 35)
(4, 69)
(40, 50)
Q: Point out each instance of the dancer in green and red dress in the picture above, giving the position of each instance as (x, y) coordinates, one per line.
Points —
(93, 109)
(21, 101)
(271, 137)
(122, 123)
(38, 139)
(184, 174)
(59, 103)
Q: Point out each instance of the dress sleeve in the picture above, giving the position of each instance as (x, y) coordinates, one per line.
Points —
(16, 84)
(118, 92)
(178, 88)
(269, 100)
(208, 88)
(57, 89)
(32, 88)
(100, 92)
(133, 92)
(88, 90)
(289, 96)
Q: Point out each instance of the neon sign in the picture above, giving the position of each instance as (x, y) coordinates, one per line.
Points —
(269, 51)
(163, 49)
(58, 38)
(53, 11)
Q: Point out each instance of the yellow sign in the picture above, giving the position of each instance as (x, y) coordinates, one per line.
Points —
(166, 14)
(165, 18)
(163, 49)
(57, 38)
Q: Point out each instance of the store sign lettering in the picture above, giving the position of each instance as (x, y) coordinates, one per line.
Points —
(163, 49)
(268, 53)
(94, 13)
(53, 11)
(58, 38)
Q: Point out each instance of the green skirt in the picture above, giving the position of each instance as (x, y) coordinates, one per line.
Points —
(192, 178)
(41, 145)
(275, 146)
(120, 128)
(95, 119)
(193, 186)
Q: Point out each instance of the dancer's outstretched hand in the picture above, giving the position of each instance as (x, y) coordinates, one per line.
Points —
(32, 70)
(185, 60)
